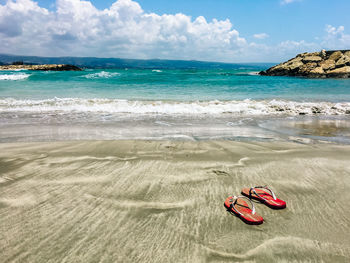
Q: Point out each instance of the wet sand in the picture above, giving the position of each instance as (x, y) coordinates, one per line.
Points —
(162, 201)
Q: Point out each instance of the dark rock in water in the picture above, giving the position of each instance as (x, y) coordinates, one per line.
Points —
(46, 67)
(324, 64)
(316, 110)
(279, 109)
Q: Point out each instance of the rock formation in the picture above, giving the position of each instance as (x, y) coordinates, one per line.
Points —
(324, 64)
(47, 67)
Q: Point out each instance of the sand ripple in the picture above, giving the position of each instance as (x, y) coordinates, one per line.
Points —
(147, 201)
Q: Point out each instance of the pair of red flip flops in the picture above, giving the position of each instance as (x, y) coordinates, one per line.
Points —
(240, 208)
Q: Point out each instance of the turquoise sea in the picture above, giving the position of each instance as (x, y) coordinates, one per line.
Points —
(171, 104)
(165, 84)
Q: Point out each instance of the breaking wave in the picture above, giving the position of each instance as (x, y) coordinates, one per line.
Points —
(239, 108)
(14, 76)
(253, 73)
(102, 75)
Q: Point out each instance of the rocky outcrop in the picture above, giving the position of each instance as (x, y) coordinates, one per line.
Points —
(324, 64)
(47, 67)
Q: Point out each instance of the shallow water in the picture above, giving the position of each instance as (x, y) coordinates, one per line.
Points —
(53, 126)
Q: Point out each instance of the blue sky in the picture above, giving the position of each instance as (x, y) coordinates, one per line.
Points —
(227, 30)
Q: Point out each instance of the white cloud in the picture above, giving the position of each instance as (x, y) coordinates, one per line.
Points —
(261, 36)
(78, 28)
(333, 39)
(336, 38)
(123, 30)
(288, 49)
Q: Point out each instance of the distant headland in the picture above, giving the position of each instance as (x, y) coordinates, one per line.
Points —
(122, 63)
(45, 67)
(323, 64)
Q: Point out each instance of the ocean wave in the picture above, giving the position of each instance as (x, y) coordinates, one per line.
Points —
(14, 76)
(253, 73)
(157, 70)
(239, 108)
(102, 75)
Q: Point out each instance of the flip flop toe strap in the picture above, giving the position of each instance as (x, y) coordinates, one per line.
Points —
(234, 201)
(262, 187)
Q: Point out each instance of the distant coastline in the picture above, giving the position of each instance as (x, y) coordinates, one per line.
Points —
(323, 64)
(45, 67)
(122, 63)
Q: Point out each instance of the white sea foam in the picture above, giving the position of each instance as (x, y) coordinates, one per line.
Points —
(14, 76)
(157, 70)
(253, 73)
(102, 75)
(239, 108)
(163, 123)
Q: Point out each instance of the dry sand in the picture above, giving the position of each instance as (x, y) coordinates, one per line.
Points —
(160, 201)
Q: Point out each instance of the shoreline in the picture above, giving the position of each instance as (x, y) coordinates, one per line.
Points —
(156, 201)
(36, 127)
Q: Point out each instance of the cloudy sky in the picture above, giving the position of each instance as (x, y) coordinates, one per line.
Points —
(211, 30)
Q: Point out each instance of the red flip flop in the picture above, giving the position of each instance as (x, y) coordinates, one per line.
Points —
(240, 208)
(266, 197)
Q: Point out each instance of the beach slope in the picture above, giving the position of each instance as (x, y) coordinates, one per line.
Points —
(161, 201)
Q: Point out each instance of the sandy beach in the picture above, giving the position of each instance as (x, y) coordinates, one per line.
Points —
(162, 201)
(127, 126)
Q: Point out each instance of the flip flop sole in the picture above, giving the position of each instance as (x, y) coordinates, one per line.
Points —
(246, 213)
